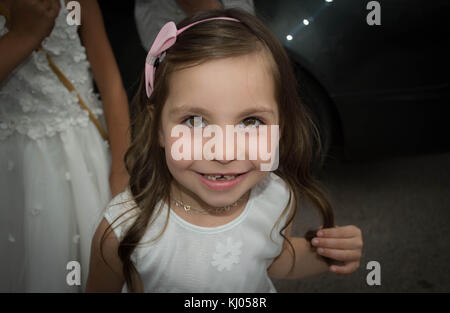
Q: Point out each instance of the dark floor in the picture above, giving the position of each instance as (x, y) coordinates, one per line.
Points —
(402, 206)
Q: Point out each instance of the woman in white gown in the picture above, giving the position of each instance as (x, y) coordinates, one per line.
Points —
(55, 168)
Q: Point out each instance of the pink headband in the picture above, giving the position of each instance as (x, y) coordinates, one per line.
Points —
(165, 39)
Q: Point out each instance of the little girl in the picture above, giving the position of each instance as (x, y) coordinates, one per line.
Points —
(220, 224)
(55, 168)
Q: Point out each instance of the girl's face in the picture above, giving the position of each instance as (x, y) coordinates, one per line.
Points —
(230, 91)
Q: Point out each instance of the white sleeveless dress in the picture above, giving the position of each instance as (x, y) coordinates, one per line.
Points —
(188, 258)
(54, 167)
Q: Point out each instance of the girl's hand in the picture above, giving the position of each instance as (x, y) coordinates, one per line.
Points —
(33, 19)
(341, 244)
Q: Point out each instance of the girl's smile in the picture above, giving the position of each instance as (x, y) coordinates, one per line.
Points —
(221, 181)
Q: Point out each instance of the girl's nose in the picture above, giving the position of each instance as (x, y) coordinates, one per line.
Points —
(228, 153)
(224, 161)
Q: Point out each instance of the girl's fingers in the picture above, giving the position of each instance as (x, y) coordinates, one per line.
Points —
(340, 255)
(347, 268)
(338, 243)
(340, 232)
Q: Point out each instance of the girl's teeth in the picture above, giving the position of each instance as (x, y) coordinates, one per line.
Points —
(219, 177)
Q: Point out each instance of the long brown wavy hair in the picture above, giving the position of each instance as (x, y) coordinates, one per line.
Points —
(150, 178)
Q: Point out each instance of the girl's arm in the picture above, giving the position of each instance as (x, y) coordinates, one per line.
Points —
(343, 245)
(307, 261)
(109, 82)
(105, 272)
(30, 22)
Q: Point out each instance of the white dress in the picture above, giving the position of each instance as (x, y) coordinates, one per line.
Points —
(233, 257)
(54, 167)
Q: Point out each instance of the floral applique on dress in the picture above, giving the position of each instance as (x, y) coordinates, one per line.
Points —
(227, 254)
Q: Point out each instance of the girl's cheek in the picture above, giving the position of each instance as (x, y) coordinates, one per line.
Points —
(179, 153)
(270, 148)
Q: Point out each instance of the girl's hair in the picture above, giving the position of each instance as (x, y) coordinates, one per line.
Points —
(150, 178)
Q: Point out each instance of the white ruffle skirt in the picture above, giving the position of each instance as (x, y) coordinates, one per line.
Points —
(52, 195)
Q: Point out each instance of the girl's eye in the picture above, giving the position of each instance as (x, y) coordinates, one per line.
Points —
(251, 122)
(194, 121)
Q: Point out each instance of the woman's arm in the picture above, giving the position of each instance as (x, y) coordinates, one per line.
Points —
(105, 271)
(31, 22)
(109, 82)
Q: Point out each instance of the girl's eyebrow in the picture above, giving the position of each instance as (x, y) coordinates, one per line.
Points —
(205, 112)
(257, 110)
(191, 109)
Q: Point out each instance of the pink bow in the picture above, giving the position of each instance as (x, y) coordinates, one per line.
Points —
(165, 39)
(167, 36)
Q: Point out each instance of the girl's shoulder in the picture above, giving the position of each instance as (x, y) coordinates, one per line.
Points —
(121, 212)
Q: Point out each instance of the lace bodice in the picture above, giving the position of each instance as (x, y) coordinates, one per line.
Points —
(33, 101)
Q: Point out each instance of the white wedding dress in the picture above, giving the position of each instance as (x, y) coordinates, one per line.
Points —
(54, 168)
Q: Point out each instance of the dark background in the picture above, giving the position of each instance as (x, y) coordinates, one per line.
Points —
(119, 22)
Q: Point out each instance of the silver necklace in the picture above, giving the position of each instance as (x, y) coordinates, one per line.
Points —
(188, 208)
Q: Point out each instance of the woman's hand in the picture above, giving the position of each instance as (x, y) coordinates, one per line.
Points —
(343, 245)
(33, 19)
